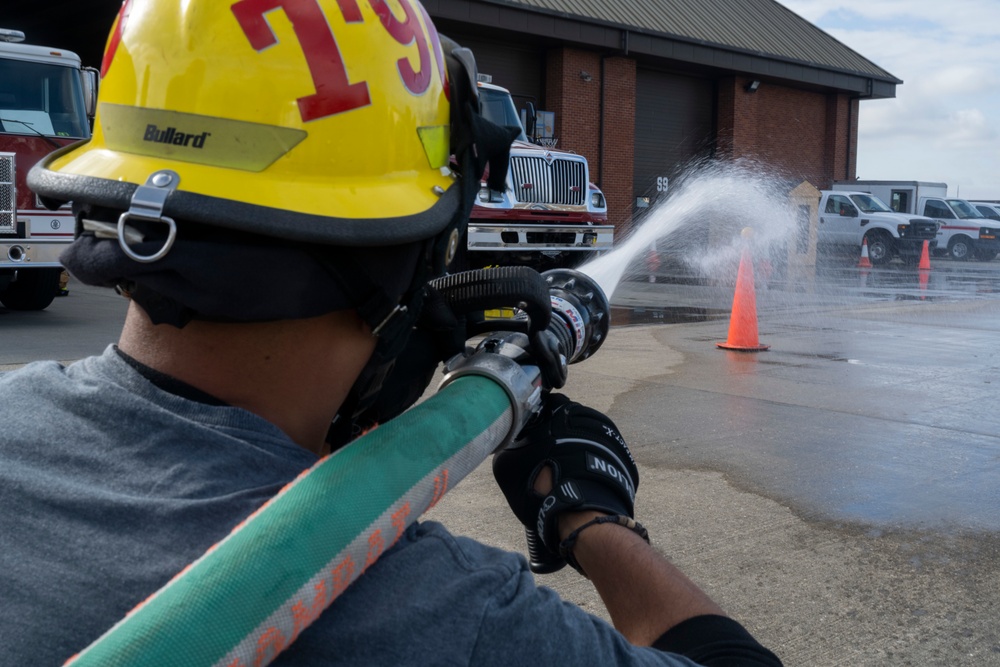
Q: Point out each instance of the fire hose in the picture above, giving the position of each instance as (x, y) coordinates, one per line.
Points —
(245, 600)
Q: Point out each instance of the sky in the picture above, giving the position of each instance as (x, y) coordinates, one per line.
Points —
(944, 123)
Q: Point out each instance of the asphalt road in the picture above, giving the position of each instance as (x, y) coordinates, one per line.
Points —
(839, 493)
(72, 327)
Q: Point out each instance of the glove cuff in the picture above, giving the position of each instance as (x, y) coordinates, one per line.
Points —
(567, 545)
(574, 495)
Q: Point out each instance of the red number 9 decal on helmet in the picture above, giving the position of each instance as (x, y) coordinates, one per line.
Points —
(334, 91)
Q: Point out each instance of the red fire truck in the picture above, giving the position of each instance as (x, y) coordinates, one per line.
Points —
(550, 216)
(46, 101)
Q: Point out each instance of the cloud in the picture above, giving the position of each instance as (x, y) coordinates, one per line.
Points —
(976, 16)
(959, 79)
(945, 119)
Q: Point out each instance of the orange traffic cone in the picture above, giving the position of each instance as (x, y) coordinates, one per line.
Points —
(865, 262)
(925, 257)
(743, 320)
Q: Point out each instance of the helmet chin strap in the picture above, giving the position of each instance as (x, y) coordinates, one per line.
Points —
(391, 320)
(475, 143)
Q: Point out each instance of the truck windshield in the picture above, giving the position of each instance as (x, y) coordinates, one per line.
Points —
(964, 210)
(498, 107)
(40, 98)
(870, 204)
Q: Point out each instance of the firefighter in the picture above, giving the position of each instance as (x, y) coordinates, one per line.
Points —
(269, 183)
(63, 289)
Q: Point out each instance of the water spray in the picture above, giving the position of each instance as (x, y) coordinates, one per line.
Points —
(722, 196)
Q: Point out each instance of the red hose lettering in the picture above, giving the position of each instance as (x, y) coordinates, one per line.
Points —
(376, 544)
(440, 488)
(270, 644)
(399, 520)
(342, 575)
(303, 615)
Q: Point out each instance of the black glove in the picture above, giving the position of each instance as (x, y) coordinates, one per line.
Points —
(592, 469)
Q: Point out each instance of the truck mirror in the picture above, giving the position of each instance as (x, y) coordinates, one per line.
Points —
(89, 78)
(531, 118)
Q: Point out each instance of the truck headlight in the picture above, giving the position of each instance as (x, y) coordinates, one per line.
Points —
(488, 196)
(597, 200)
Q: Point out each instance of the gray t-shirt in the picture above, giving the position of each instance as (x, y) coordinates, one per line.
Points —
(109, 486)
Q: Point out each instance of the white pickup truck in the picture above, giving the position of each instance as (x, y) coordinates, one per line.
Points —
(964, 232)
(847, 219)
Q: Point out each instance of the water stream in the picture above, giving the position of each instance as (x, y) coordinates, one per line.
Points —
(700, 224)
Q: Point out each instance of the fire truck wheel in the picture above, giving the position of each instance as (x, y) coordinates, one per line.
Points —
(34, 289)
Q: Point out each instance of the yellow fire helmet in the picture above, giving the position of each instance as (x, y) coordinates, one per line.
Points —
(324, 121)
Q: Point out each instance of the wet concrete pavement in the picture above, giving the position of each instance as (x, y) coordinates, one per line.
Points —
(848, 416)
(838, 493)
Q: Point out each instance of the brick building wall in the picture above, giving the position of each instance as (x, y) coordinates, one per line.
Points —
(842, 137)
(613, 171)
(802, 135)
(573, 91)
(575, 99)
(799, 135)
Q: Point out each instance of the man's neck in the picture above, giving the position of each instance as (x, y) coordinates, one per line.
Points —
(294, 373)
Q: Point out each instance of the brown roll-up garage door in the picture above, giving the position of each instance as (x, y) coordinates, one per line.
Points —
(674, 125)
(517, 67)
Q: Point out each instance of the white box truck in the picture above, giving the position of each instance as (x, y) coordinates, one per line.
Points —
(965, 233)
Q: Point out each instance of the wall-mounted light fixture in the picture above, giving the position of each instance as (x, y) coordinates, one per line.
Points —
(753, 86)
(585, 75)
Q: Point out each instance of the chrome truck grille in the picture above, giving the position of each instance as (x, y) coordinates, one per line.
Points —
(923, 229)
(538, 181)
(8, 194)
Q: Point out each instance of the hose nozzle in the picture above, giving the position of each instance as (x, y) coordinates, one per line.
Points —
(561, 317)
(581, 313)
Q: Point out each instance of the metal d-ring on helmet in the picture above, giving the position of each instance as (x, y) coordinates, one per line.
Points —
(345, 132)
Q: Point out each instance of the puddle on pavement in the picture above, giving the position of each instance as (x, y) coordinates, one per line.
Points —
(621, 316)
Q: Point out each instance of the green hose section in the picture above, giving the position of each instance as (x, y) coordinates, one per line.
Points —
(250, 595)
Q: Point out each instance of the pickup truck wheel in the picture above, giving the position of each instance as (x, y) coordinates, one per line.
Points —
(985, 254)
(960, 248)
(880, 248)
(34, 289)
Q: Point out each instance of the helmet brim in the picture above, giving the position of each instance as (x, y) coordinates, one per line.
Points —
(59, 186)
